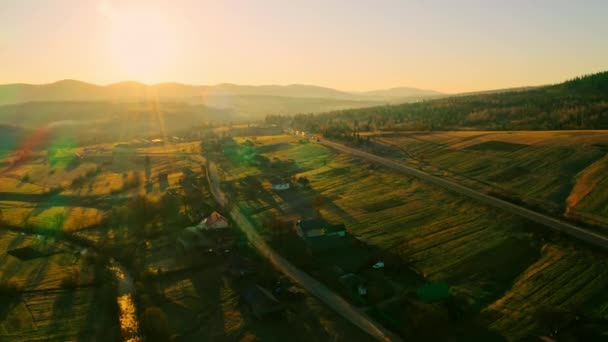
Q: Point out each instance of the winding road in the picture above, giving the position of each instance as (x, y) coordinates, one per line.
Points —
(316, 288)
(548, 221)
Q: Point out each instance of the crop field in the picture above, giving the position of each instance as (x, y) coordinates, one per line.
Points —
(561, 279)
(57, 298)
(483, 253)
(56, 291)
(562, 171)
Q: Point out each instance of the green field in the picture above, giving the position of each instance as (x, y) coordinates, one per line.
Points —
(62, 294)
(57, 294)
(563, 172)
(485, 255)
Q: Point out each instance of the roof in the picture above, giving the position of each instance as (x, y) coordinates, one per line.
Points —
(312, 224)
(213, 218)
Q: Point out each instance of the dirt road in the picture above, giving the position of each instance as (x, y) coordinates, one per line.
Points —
(570, 229)
(313, 286)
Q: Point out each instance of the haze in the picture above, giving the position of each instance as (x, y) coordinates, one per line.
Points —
(445, 46)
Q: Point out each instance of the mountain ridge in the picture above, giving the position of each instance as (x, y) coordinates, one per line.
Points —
(76, 90)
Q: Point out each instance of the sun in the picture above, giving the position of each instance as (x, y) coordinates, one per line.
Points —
(141, 44)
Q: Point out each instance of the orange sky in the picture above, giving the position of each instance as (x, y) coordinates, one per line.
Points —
(350, 45)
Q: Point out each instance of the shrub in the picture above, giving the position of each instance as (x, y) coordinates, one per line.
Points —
(10, 288)
(78, 181)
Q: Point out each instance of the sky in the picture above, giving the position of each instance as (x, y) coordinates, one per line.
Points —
(448, 46)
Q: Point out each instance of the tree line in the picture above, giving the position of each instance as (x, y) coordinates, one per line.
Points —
(580, 103)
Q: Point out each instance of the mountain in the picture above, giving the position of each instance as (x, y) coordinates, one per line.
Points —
(72, 90)
(402, 92)
(580, 103)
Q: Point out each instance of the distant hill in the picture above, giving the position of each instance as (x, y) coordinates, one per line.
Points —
(581, 103)
(72, 90)
(402, 93)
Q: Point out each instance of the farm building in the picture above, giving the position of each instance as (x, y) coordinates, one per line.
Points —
(319, 227)
(261, 301)
(279, 184)
(214, 221)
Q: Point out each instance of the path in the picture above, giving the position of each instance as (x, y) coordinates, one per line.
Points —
(316, 288)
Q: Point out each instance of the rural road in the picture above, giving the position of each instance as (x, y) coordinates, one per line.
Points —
(570, 229)
(316, 288)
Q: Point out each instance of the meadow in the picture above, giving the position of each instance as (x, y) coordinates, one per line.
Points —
(494, 262)
(562, 172)
(61, 292)
(52, 291)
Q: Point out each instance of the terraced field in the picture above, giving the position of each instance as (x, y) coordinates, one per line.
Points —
(484, 254)
(562, 171)
(561, 279)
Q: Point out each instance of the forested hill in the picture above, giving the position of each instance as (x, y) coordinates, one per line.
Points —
(581, 103)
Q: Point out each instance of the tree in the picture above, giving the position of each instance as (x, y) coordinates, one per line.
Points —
(155, 325)
(303, 181)
(140, 211)
(168, 206)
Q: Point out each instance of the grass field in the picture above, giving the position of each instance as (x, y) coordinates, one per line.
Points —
(57, 298)
(561, 171)
(56, 294)
(484, 254)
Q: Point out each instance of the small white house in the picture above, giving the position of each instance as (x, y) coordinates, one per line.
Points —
(280, 186)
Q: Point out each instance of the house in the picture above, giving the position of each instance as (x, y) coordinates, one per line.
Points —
(319, 227)
(280, 185)
(261, 301)
(214, 221)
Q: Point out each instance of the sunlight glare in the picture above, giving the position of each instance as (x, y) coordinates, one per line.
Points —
(141, 43)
